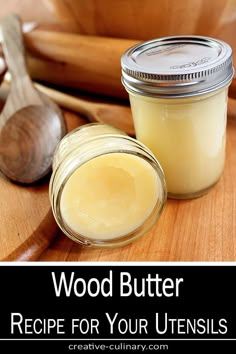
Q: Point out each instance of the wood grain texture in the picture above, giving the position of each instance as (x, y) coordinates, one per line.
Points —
(202, 229)
(129, 19)
(110, 113)
(31, 125)
(151, 19)
(26, 223)
(92, 109)
(88, 63)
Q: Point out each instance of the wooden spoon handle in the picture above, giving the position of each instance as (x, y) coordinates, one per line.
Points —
(67, 101)
(13, 47)
(115, 114)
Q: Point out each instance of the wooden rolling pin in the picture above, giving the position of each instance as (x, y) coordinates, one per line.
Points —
(88, 63)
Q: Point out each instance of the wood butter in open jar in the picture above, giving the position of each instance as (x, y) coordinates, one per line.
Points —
(178, 89)
(106, 188)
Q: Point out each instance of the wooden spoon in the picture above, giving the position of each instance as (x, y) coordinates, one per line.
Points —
(31, 125)
(115, 114)
(110, 113)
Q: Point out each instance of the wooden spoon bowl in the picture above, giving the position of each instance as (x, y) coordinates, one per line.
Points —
(24, 156)
(31, 125)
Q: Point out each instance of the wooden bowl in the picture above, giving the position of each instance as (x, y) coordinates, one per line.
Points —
(132, 19)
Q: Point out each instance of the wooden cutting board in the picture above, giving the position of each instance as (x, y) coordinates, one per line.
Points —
(202, 229)
(27, 226)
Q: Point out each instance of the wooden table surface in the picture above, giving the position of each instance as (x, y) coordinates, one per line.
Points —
(202, 229)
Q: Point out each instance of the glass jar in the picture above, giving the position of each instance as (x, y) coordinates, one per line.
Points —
(178, 88)
(106, 188)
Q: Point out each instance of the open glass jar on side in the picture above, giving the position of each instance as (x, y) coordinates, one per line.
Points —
(106, 188)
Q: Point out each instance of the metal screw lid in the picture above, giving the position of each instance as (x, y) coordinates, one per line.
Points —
(177, 66)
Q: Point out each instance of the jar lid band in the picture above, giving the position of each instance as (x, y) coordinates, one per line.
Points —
(177, 66)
